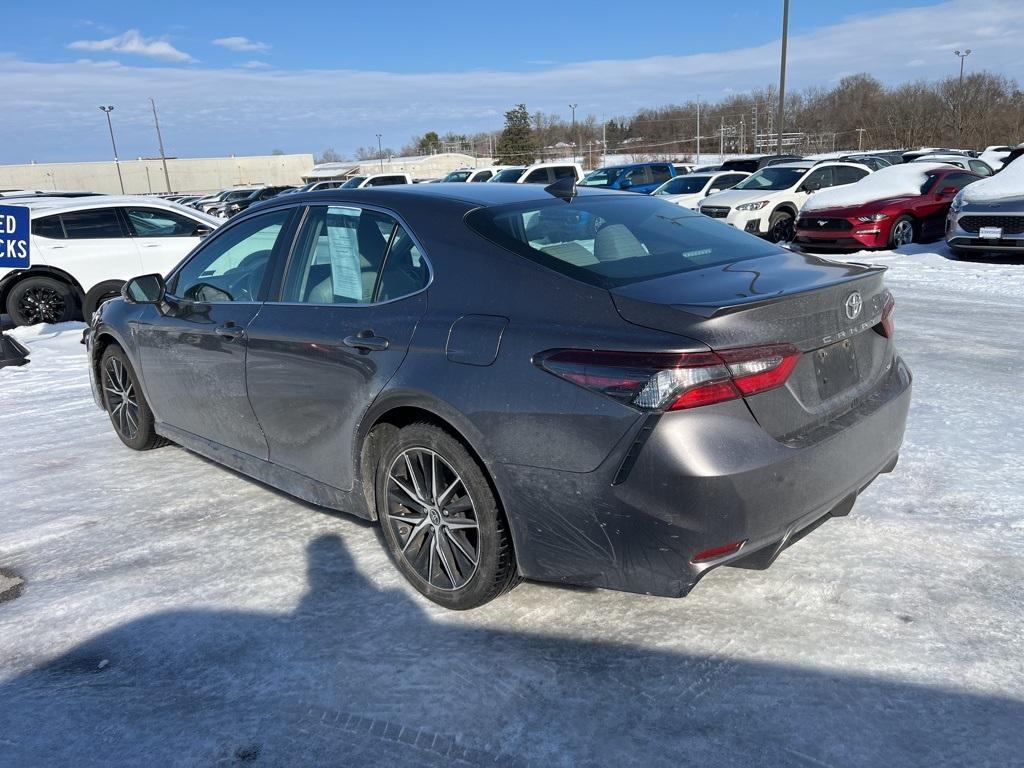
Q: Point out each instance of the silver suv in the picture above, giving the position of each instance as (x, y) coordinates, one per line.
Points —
(988, 215)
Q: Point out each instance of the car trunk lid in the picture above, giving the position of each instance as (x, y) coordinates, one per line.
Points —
(830, 311)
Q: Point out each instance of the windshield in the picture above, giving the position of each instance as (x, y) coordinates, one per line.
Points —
(611, 242)
(509, 175)
(683, 185)
(772, 178)
(355, 181)
(602, 177)
(457, 176)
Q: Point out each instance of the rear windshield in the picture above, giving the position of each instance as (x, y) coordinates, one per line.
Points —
(611, 241)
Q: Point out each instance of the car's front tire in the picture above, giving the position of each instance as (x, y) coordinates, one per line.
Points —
(41, 300)
(129, 412)
(903, 232)
(441, 521)
(781, 227)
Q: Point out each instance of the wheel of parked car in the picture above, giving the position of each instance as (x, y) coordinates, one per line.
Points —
(903, 232)
(41, 300)
(102, 292)
(129, 412)
(780, 227)
(441, 520)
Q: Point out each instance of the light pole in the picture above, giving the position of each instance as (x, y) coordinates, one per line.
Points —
(160, 140)
(698, 129)
(380, 153)
(962, 55)
(573, 137)
(110, 127)
(782, 71)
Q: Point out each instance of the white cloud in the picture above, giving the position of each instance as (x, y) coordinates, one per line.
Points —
(240, 44)
(254, 64)
(133, 42)
(244, 108)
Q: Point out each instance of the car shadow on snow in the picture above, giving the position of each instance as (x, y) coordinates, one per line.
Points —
(357, 675)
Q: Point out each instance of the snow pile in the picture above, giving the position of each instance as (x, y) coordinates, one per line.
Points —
(1009, 182)
(903, 180)
(994, 157)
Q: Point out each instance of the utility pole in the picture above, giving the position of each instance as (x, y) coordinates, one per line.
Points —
(604, 141)
(755, 126)
(698, 129)
(860, 138)
(380, 153)
(160, 140)
(743, 135)
(573, 137)
(721, 139)
(782, 72)
(117, 163)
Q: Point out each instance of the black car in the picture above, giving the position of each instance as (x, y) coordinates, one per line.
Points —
(751, 164)
(598, 388)
(233, 206)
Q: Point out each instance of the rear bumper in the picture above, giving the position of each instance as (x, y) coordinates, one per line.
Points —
(701, 479)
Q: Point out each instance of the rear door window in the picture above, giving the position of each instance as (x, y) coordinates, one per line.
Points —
(979, 168)
(153, 222)
(483, 176)
(660, 174)
(537, 176)
(95, 224)
(48, 226)
(339, 255)
(845, 174)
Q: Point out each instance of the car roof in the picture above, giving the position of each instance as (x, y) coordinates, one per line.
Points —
(474, 195)
(46, 205)
(943, 157)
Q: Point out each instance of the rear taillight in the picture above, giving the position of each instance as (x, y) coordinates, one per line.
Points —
(662, 381)
(887, 327)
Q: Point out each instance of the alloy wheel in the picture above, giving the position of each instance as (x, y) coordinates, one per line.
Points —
(902, 233)
(121, 400)
(433, 518)
(41, 305)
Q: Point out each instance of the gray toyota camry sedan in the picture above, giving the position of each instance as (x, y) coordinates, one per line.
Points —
(576, 386)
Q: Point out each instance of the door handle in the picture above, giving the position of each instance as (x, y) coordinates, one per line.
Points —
(365, 341)
(230, 331)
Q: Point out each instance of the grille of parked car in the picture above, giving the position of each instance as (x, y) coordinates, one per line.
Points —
(1011, 225)
(714, 212)
(841, 225)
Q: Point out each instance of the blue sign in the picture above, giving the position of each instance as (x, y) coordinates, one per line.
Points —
(14, 239)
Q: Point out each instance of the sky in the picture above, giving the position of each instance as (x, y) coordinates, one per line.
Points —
(252, 77)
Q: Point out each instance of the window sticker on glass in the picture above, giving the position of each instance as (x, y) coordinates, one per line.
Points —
(346, 277)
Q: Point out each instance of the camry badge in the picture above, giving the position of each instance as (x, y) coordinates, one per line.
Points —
(853, 305)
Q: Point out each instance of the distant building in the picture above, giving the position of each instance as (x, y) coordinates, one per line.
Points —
(417, 166)
(146, 175)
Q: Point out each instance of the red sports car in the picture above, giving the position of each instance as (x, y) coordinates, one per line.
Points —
(889, 208)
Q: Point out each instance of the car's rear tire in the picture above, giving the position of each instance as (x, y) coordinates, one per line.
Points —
(441, 521)
(41, 300)
(903, 232)
(129, 412)
(780, 227)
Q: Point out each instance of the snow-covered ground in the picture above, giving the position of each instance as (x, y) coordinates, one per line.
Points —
(175, 613)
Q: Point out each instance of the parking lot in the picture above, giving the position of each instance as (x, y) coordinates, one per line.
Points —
(176, 613)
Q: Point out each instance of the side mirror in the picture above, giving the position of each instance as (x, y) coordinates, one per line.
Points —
(811, 186)
(625, 184)
(201, 231)
(713, 190)
(147, 289)
(948, 191)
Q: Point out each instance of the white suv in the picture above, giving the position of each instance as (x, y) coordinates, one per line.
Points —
(83, 249)
(766, 203)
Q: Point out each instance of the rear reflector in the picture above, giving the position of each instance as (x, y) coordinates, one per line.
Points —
(716, 552)
(670, 381)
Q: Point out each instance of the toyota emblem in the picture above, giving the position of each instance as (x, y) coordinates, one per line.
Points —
(853, 305)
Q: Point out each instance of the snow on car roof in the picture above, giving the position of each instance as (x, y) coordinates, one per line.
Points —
(903, 180)
(1009, 182)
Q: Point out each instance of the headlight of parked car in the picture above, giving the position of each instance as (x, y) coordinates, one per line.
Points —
(752, 206)
(958, 202)
(873, 217)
